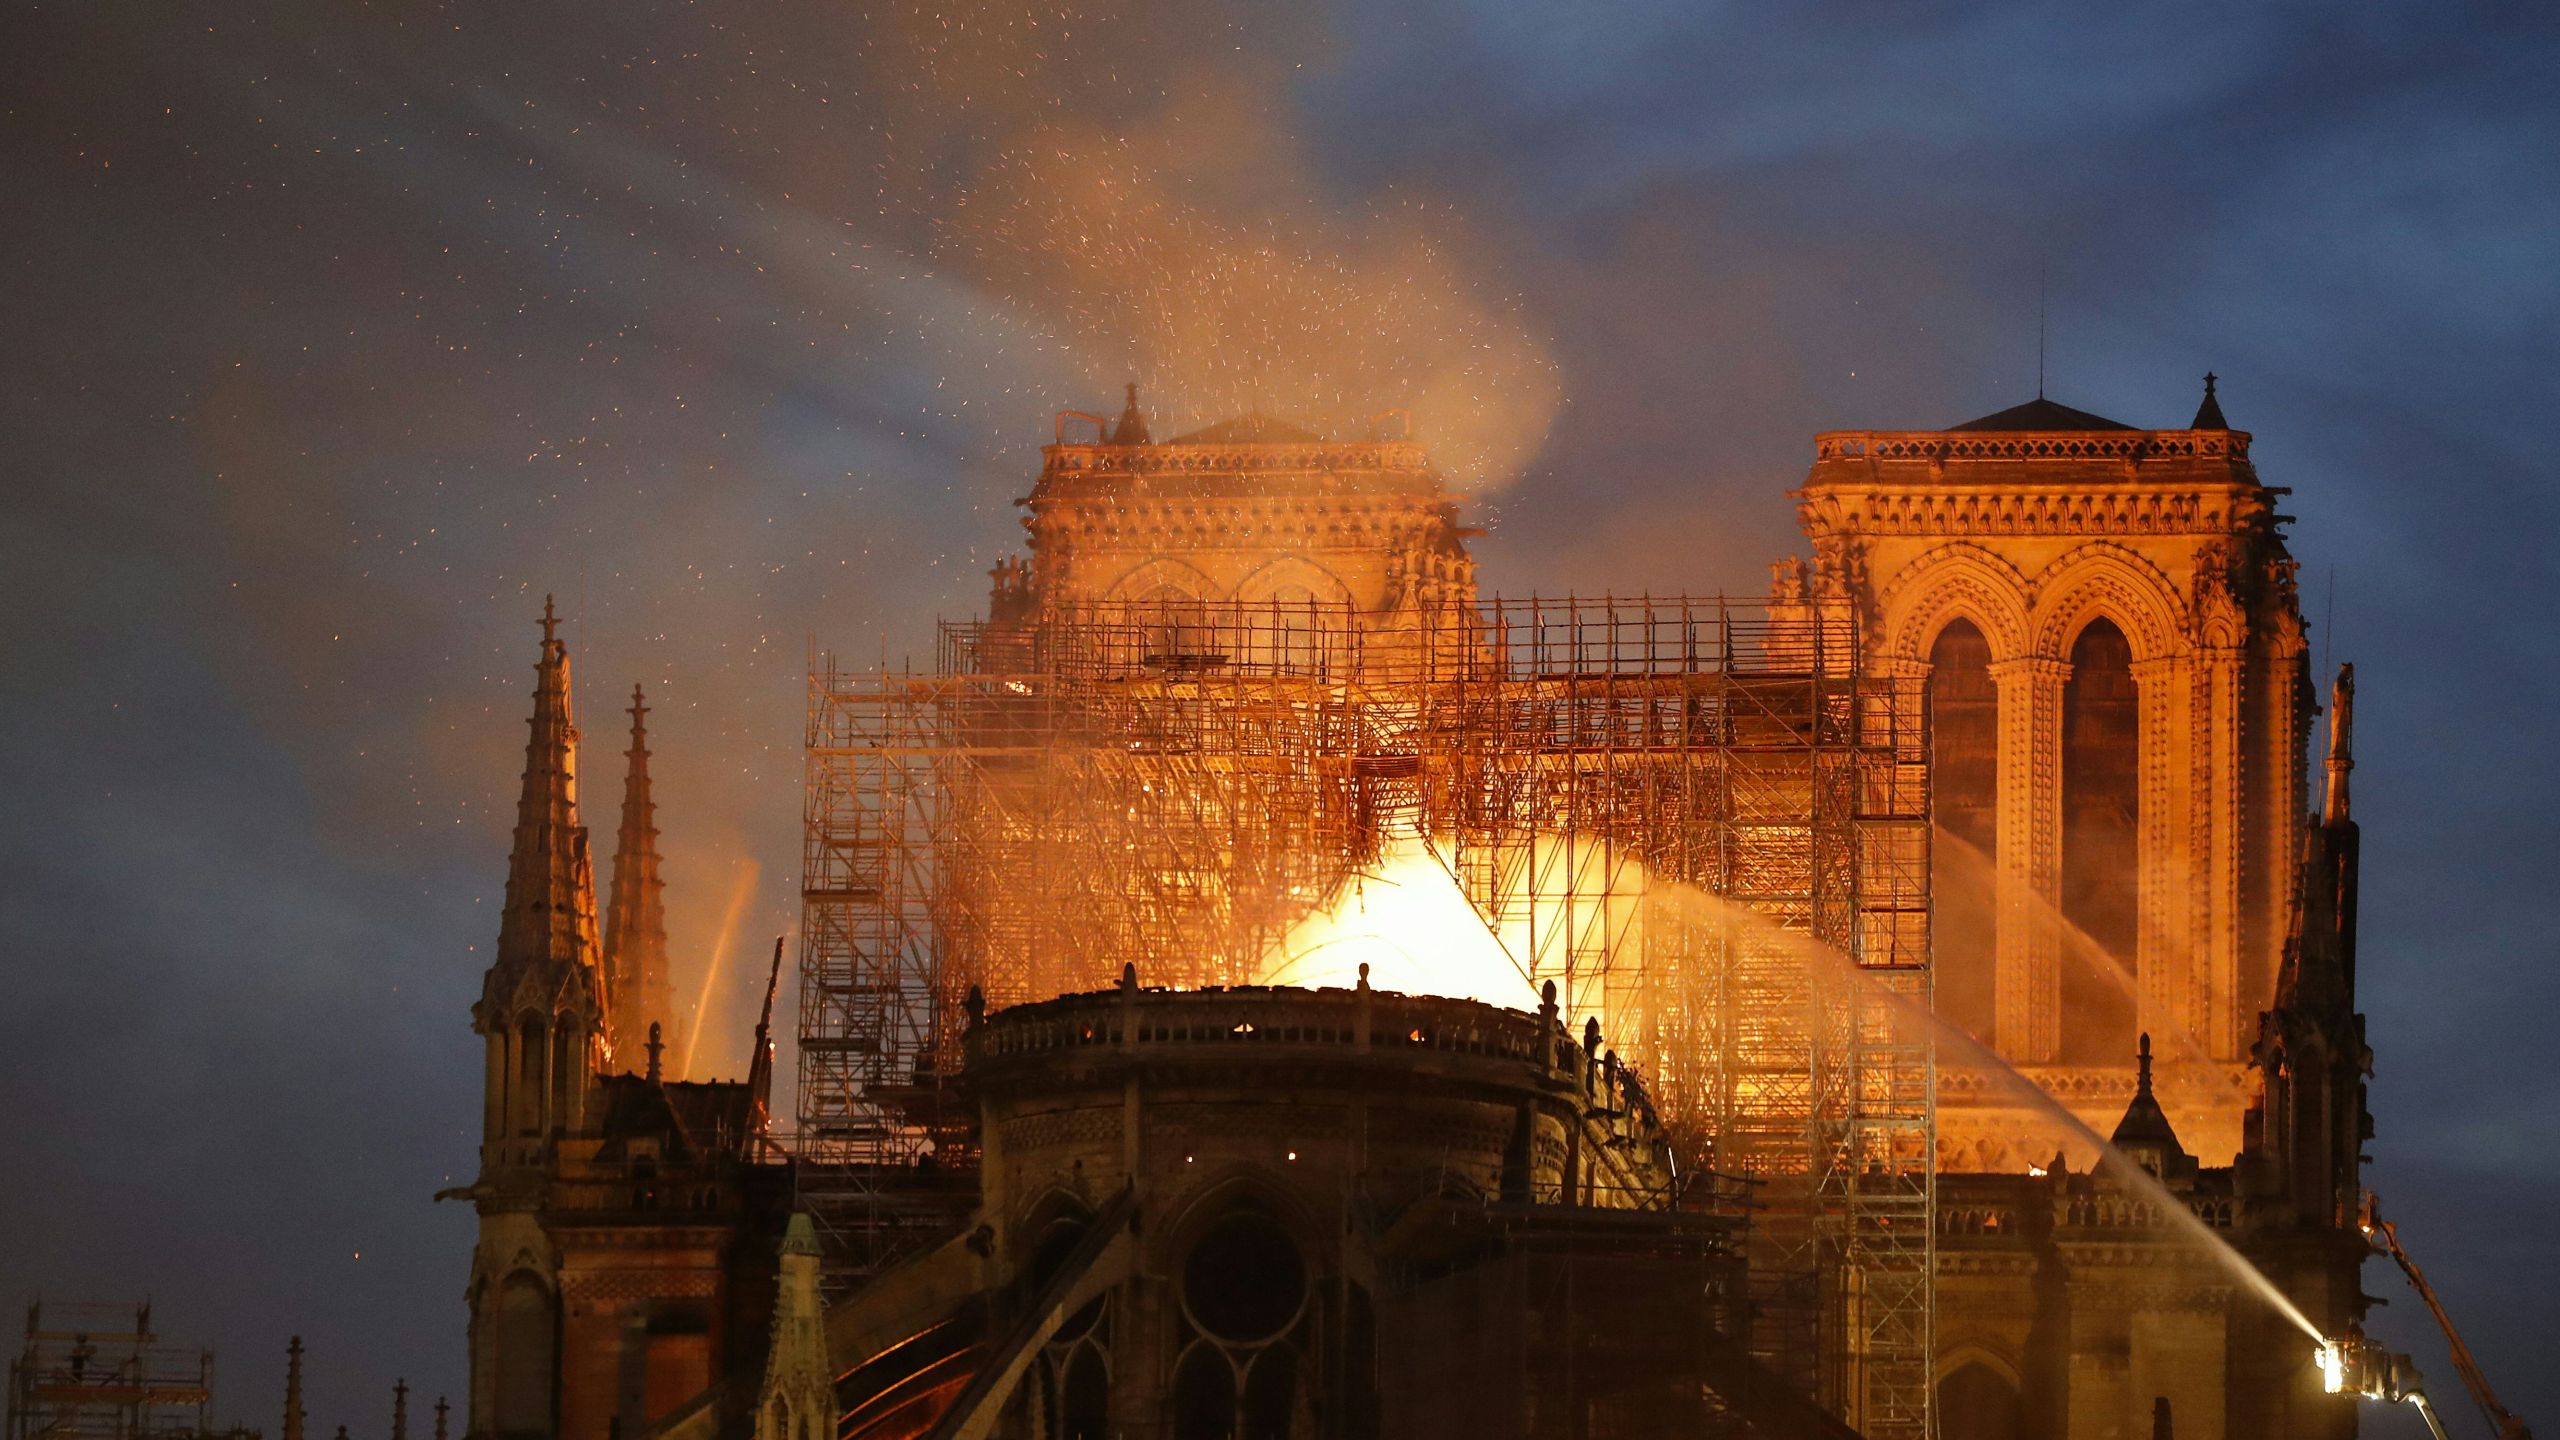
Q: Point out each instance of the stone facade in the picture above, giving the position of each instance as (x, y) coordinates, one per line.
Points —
(628, 1222)
(1290, 1213)
(1251, 512)
(2077, 1298)
(2031, 527)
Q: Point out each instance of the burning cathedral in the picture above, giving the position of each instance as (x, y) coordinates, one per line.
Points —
(1251, 985)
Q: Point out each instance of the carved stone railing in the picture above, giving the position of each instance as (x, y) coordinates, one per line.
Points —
(1507, 1047)
(1267, 1016)
(1231, 458)
(1943, 445)
(2083, 1085)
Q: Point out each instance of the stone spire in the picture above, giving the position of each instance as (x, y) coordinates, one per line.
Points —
(1132, 429)
(799, 1384)
(2342, 702)
(548, 951)
(400, 1409)
(2209, 414)
(442, 1408)
(2145, 1133)
(293, 1416)
(635, 922)
(760, 1068)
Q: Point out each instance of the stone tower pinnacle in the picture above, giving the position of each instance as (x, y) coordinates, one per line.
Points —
(799, 1382)
(547, 942)
(293, 1416)
(1132, 429)
(2342, 704)
(545, 1005)
(2209, 414)
(635, 925)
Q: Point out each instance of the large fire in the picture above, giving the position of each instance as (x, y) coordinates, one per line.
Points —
(1410, 921)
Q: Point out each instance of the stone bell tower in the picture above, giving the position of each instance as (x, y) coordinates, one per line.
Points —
(1249, 512)
(2107, 621)
(543, 1015)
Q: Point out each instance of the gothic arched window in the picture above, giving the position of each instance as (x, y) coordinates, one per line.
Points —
(1245, 1330)
(520, 1353)
(1977, 1403)
(1964, 755)
(532, 1077)
(1175, 628)
(2101, 814)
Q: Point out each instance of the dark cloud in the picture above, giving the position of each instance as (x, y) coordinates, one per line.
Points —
(337, 337)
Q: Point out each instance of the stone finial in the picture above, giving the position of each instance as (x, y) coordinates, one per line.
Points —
(657, 1049)
(2209, 414)
(400, 1409)
(976, 1005)
(1132, 427)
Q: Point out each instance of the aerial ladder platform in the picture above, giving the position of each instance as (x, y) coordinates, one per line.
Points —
(2356, 1366)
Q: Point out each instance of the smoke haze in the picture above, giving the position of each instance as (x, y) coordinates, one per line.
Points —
(337, 336)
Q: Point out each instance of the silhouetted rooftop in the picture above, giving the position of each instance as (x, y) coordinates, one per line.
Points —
(2042, 414)
(1251, 428)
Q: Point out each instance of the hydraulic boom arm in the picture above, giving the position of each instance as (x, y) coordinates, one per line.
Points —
(2387, 1239)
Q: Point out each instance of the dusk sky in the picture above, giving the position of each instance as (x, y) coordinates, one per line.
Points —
(333, 337)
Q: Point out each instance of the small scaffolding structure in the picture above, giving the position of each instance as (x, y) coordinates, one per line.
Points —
(98, 1372)
(1705, 819)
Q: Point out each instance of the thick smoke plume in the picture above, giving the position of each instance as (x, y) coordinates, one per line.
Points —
(1117, 177)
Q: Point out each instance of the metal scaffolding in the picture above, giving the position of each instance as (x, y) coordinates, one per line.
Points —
(98, 1372)
(1705, 820)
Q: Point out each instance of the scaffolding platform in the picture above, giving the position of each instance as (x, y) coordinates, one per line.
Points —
(1705, 819)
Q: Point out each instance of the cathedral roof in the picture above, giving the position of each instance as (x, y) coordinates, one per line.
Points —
(1250, 428)
(693, 1118)
(2041, 414)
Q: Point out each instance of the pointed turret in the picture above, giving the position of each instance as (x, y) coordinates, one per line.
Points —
(760, 1068)
(2310, 1125)
(1132, 429)
(2145, 1133)
(799, 1379)
(547, 941)
(635, 923)
(2209, 414)
(545, 1003)
(293, 1416)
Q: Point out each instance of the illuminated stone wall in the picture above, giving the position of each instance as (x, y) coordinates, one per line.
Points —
(2033, 527)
